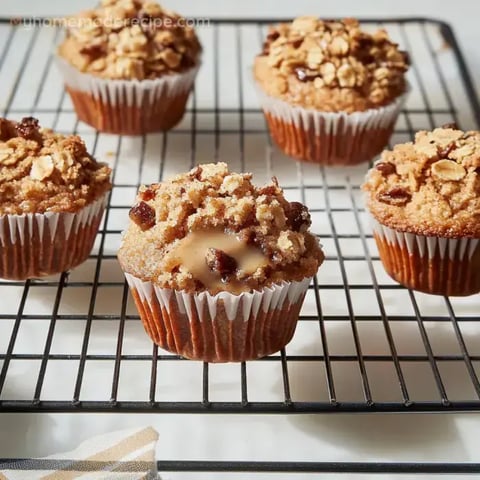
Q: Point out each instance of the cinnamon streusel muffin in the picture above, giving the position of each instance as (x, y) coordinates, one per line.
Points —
(425, 201)
(331, 93)
(52, 198)
(129, 66)
(218, 267)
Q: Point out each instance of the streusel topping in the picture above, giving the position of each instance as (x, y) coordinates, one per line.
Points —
(130, 39)
(213, 230)
(331, 65)
(430, 186)
(41, 170)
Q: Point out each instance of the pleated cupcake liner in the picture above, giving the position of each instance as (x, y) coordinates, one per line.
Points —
(330, 138)
(436, 265)
(39, 244)
(128, 107)
(223, 327)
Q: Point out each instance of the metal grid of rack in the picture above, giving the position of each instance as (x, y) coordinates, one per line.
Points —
(74, 342)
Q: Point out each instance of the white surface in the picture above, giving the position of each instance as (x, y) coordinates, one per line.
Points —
(310, 437)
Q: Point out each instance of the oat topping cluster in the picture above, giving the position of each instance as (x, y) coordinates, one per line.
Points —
(211, 199)
(130, 39)
(324, 55)
(44, 171)
(430, 186)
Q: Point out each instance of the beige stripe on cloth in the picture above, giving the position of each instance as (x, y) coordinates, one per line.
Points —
(116, 453)
(125, 455)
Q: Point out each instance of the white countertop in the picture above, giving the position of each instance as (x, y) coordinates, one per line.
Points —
(338, 437)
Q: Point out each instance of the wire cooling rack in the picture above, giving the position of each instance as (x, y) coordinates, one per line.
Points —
(74, 342)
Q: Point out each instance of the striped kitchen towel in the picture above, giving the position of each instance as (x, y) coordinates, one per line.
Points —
(123, 455)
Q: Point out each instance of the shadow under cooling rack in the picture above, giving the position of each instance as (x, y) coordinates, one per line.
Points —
(74, 342)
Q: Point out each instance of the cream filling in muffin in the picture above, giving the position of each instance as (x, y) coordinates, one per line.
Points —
(212, 256)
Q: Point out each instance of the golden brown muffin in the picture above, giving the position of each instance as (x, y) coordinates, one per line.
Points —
(130, 39)
(52, 197)
(424, 197)
(228, 209)
(218, 268)
(430, 186)
(331, 93)
(129, 66)
(331, 66)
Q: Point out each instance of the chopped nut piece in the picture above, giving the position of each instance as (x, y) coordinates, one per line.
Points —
(339, 46)
(448, 170)
(381, 73)
(346, 76)
(171, 58)
(6, 154)
(328, 72)
(461, 152)
(143, 215)
(314, 58)
(218, 261)
(42, 167)
(304, 24)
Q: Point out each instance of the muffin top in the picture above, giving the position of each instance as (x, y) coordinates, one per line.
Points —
(331, 66)
(130, 39)
(431, 186)
(213, 230)
(42, 171)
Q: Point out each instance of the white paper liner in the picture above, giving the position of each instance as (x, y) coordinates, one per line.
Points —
(332, 123)
(269, 298)
(71, 221)
(455, 248)
(127, 92)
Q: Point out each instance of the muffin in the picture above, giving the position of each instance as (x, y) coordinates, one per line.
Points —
(129, 66)
(218, 268)
(424, 198)
(331, 93)
(52, 198)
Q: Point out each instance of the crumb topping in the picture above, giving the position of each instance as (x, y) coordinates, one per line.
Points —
(130, 39)
(430, 186)
(214, 230)
(331, 65)
(44, 171)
